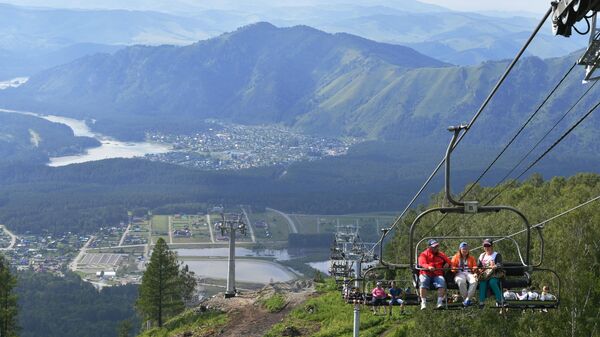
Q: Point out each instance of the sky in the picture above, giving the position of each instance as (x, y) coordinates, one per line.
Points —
(534, 6)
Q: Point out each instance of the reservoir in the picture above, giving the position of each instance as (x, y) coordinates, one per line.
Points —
(246, 270)
(213, 263)
(277, 254)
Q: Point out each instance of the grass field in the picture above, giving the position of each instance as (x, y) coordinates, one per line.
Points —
(328, 315)
(160, 225)
(277, 226)
(195, 224)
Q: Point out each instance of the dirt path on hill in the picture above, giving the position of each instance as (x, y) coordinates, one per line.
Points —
(248, 319)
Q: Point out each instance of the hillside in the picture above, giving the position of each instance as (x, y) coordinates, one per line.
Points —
(30, 139)
(252, 313)
(257, 74)
(316, 82)
(326, 314)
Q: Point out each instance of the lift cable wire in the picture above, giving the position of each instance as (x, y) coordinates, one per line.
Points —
(541, 224)
(539, 142)
(539, 108)
(519, 132)
(543, 154)
(560, 139)
(475, 117)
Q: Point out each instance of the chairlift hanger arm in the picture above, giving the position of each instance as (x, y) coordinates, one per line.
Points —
(456, 132)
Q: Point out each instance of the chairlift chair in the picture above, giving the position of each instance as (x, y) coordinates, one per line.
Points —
(519, 274)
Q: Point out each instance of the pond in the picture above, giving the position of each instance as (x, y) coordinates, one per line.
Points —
(277, 254)
(246, 270)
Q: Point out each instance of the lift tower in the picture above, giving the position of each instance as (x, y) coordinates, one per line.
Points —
(230, 223)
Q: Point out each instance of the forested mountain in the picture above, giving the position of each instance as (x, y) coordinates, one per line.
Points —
(317, 82)
(257, 74)
(320, 83)
(31, 139)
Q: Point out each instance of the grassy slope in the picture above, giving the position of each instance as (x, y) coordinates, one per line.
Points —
(327, 315)
(200, 324)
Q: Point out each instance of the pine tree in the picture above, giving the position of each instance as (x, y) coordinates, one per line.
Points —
(164, 287)
(8, 301)
(124, 328)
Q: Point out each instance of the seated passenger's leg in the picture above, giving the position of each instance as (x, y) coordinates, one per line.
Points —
(472, 285)
(461, 281)
(495, 285)
(440, 283)
(482, 292)
(424, 284)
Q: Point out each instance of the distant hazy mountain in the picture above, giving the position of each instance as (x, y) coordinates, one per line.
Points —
(33, 39)
(456, 37)
(316, 82)
(257, 74)
(186, 7)
(36, 38)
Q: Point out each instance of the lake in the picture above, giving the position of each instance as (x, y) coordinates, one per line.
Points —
(278, 254)
(246, 270)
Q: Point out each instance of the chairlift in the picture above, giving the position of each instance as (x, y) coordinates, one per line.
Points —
(519, 274)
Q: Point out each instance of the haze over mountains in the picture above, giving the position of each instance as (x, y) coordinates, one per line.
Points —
(396, 98)
(35, 38)
(319, 83)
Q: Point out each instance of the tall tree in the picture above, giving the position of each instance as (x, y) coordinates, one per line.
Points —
(164, 286)
(8, 301)
(188, 285)
(124, 329)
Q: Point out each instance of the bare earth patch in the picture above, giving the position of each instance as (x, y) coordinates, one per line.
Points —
(247, 318)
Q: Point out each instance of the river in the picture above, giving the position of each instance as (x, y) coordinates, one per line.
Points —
(109, 147)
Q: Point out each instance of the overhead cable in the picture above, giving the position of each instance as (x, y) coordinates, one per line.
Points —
(541, 224)
(473, 120)
(507, 145)
(543, 154)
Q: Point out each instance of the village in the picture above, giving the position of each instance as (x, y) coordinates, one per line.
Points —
(118, 254)
(233, 146)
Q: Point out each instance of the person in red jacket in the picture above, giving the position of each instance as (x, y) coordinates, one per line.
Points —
(432, 262)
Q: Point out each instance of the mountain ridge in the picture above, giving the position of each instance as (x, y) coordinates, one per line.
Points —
(256, 74)
(316, 82)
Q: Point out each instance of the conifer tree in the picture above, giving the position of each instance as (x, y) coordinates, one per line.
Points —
(124, 329)
(8, 301)
(164, 287)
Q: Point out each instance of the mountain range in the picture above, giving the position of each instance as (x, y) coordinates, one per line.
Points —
(37, 38)
(320, 83)
(395, 98)
(257, 74)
